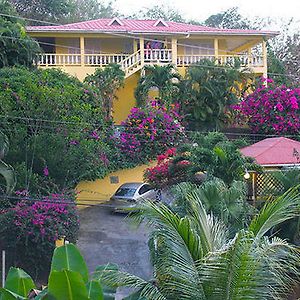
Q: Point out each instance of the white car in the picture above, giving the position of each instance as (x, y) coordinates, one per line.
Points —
(129, 194)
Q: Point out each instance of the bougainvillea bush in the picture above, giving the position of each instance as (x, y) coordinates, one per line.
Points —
(206, 156)
(150, 130)
(29, 229)
(271, 109)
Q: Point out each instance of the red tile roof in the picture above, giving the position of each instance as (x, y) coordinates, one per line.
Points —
(144, 26)
(274, 152)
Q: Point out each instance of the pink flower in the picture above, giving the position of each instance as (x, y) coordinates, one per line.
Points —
(46, 171)
(279, 106)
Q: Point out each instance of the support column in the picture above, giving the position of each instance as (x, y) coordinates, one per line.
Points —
(249, 57)
(174, 51)
(135, 45)
(82, 50)
(216, 48)
(265, 61)
(142, 49)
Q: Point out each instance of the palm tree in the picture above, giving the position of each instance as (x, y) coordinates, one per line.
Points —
(227, 203)
(193, 258)
(6, 170)
(164, 78)
(107, 81)
(207, 90)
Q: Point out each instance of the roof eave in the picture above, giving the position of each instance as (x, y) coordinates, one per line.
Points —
(268, 34)
(280, 165)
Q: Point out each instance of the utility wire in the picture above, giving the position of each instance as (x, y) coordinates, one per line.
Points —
(136, 131)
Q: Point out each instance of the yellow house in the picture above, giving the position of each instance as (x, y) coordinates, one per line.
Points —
(80, 48)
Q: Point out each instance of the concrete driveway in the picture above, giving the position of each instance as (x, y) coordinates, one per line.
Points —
(106, 237)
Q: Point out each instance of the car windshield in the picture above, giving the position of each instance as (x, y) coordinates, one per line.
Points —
(125, 192)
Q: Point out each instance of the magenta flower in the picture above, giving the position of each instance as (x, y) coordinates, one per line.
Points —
(46, 171)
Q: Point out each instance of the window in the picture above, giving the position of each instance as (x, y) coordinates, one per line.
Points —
(144, 189)
(115, 22)
(125, 192)
(160, 23)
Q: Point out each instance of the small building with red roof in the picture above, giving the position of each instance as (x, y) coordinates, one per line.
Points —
(274, 152)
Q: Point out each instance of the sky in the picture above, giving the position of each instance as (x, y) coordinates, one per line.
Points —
(200, 10)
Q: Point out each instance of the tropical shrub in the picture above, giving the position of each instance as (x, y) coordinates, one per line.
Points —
(207, 91)
(227, 203)
(167, 171)
(164, 78)
(271, 109)
(193, 257)
(6, 170)
(150, 130)
(30, 228)
(53, 120)
(205, 156)
(69, 279)
(106, 82)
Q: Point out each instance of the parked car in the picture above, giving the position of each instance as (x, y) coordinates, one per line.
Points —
(129, 194)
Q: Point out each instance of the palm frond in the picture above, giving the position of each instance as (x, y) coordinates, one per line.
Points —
(275, 211)
(281, 261)
(212, 232)
(116, 278)
(234, 273)
(175, 249)
(8, 173)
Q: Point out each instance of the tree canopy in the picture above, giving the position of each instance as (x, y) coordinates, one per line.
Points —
(230, 18)
(16, 47)
(161, 11)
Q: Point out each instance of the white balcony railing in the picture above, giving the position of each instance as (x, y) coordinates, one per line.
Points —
(151, 56)
(50, 59)
(103, 59)
(158, 55)
(244, 60)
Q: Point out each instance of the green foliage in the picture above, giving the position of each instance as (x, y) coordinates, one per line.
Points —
(86, 10)
(204, 156)
(45, 10)
(18, 282)
(276, 66)
(6, 170)
(67, 280)
(107, 81)
(207, 90)
(70, 259)
(228, 203)
(193, 257)
(228, 19)
(287, 179)
(164, 12)
(54, 121)
(16, 48)
(163, 78)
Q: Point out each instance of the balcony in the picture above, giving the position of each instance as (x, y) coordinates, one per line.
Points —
(131, 63)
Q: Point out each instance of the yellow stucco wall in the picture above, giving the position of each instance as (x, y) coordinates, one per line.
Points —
(100, 190)
(125, 99)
